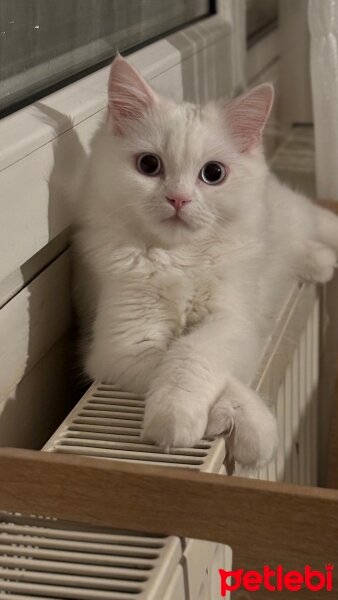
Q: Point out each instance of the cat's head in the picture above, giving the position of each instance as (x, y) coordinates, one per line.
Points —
(179, 171)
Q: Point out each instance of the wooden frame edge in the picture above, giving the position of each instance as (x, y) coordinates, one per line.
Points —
(262, 521)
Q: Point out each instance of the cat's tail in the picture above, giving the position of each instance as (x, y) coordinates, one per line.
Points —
(327, 228)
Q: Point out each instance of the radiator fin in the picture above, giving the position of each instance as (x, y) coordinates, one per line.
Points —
(296, 410)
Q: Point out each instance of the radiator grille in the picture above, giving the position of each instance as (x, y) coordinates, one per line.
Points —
(106, 423)
(41, 559)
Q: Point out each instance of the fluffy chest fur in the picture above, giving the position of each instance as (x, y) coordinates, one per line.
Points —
(185, 284)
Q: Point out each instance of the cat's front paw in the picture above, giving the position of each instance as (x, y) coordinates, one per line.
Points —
(173, 419)
(319, 264)
(241, 412)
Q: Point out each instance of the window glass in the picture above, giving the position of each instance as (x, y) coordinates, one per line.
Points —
(43, 42)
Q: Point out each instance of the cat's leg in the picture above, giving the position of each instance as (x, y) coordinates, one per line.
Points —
(194, 372)
(130, 336)
(241, 412)
(178, 401)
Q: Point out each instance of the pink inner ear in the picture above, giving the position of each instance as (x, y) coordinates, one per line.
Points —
(247, 115)
(129, 95)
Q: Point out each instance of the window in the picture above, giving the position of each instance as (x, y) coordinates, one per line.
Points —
(43, 42)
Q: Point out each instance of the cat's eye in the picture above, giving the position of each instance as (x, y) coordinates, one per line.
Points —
(213, 173)
(149, 164)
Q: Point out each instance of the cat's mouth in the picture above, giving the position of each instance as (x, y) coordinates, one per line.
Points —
(176, 220)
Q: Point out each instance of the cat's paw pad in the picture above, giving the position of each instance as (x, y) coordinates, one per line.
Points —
(320, 263)
(253, 428)
(172, 425)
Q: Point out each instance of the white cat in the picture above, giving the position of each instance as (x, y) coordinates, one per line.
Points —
(189, 245)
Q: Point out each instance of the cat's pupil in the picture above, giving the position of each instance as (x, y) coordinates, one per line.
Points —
(149, 164)
(212, 173)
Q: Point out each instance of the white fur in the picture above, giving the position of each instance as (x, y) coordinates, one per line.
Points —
(179, 312)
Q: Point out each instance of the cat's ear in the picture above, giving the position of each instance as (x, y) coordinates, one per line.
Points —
(129, 95)
(247, 115)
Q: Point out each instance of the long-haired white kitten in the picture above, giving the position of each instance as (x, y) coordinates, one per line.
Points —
(188, 245)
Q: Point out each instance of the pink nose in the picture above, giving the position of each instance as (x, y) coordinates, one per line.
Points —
(178, 201)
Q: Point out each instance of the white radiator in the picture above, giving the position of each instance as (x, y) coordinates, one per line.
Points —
(45, 559)
(290, 374)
